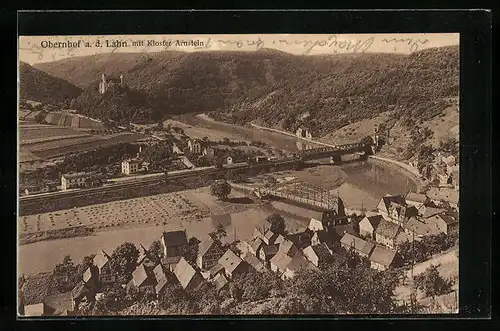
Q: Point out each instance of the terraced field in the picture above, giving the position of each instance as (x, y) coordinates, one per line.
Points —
(53, 149)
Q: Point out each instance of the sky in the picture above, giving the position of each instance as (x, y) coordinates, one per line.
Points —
(37, 49)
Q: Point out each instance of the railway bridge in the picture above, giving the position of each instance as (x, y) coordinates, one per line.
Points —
(333, 151)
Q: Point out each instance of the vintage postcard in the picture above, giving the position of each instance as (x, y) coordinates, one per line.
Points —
(238, 174)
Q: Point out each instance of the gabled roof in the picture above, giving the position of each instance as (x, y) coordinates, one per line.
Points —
(279, 239)
(144, 253)
(281, 260)
(216, 269)
(382, 255)
(206, 244)
(270, 249)
(175, 238)
(140, 275)
(373, 220)
(159, 272)
(299, 261)
(79, 290)
(161, 283)
(449, 195)
(230, 261)
(431, 211)
(386, 201)
(357, 243)
(269, 235)
(254, 262)
(287, 247)
(422, 227)
(220, 281)
(255, 243)
(101, 258)
(448, 219)
(387, 229)
(321, 251)
(170, 260)
(416, 197)
(87, 275)
(184, 272)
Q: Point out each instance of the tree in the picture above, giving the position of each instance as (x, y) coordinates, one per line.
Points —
(114, 299)
(221, 189)
(432, 283)
(277, 223)
(124, 259)
(64, 275)
(156, 249)
(218, 233)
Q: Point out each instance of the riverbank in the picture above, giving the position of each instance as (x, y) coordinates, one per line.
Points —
(404, 168)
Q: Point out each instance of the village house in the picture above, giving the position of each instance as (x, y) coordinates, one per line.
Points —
(169, 263)
(368, 225)
(195, 146)
(449, 163)
(445, 223)
(221, 282)
(162, 279)
(146, 258)
(441, 175)
(131, 166)
(288, 248)
(394, 209)
(386, 233)
(173, 242)
(209, 252)
(267, 252)
(103, 263)
(297, 263)
(300, 237)
(444, 197)
(176, 149)
(319, 255)
(143, 279)
(279, 262)
(40, 189)
(233, 265)
(38, 309)
(382, 258)
(187, 276)
(417, 200)
(80, 293)
(216, 270)
(360, 246)
(79, 180)
(254, 245)
(254, 262)
(91, 278)
(418, 228)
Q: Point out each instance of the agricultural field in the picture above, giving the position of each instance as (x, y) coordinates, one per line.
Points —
(147, 211)
(28, 132)
(52, 150)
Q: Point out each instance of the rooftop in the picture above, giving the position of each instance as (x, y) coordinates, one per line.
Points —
(184, 272)
(175, 238)
(387, 229)
(254, 262)
(230, 261)
(357, 243)
(382, 255)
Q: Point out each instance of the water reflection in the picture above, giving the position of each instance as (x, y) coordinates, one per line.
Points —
(367, 182)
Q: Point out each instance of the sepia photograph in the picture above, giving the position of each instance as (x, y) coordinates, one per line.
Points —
(253, 174)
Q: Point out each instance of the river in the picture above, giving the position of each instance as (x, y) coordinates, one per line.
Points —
(366, 183)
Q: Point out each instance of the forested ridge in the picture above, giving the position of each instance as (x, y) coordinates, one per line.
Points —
(272, 86)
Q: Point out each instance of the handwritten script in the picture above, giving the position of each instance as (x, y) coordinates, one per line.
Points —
(413, 43)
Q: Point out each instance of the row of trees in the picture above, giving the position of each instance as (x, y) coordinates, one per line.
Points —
(421, 250)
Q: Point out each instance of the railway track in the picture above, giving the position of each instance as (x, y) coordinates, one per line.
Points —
(141, 182)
